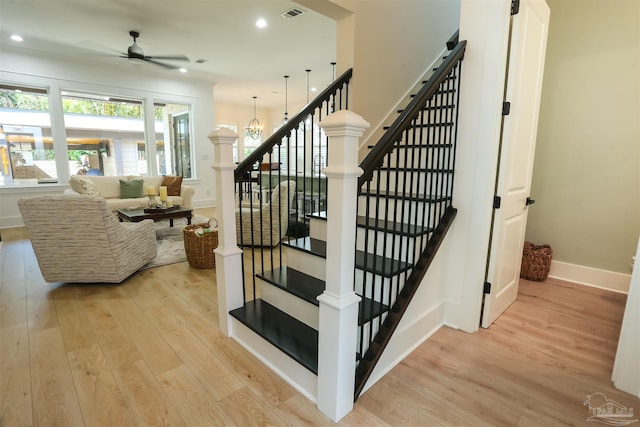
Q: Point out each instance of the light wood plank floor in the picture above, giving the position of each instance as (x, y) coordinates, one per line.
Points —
(149, 352)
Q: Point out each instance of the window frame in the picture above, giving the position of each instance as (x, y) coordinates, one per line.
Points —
(55, 115)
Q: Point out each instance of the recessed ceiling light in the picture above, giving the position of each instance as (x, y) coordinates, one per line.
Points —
(183, 70)
(313, 89)
(16, 38)
(261, 23)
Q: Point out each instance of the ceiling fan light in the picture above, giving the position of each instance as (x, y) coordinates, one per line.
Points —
(135, 51)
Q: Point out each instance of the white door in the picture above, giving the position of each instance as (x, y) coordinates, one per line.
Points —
(524, 85)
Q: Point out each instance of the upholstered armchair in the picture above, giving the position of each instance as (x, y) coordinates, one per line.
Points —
(76, 238)
(265, 223)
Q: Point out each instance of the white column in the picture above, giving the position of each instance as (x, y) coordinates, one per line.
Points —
(228, 255)
(339, 303)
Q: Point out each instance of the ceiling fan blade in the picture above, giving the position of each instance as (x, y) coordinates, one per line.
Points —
(171, 57)
(162, 64)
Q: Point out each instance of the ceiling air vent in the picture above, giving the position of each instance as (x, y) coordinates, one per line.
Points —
(292, 13)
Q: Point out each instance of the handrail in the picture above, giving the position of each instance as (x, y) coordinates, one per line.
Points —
(248, 163)
(376, 156)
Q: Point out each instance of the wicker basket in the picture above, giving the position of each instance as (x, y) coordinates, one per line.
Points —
(199, 249)
(536, 262)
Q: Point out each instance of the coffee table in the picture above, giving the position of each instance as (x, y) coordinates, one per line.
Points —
(137, 215)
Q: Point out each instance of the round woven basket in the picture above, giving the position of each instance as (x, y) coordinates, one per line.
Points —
(199, 248)
(536, 262)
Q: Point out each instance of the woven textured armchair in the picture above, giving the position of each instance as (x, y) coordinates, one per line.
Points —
(76, 238)
(266, 225)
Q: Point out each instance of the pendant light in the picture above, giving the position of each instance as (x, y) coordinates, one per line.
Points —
(333, 79)
(254, 129)
(286, 96)
(309, 120)
(308, 72)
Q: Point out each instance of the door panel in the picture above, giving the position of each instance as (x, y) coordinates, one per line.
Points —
(523, 89)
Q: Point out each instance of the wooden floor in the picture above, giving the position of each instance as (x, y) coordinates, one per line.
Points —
(149, 352)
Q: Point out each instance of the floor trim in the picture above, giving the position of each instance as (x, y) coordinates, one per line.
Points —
(602, 279)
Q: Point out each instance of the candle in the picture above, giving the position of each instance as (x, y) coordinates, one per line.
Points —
(151, 191)
(163, 193)
(170, 203)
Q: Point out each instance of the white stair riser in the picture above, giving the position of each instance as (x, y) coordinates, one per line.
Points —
(387, 244)
(432, 132)
(423, 157)
(370, 329)
(407, 211)
(377, 287)
(413, 182)
(307, 263)
(296, 307)
(318, 229)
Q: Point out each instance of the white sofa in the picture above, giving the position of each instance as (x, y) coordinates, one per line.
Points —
(108, 187)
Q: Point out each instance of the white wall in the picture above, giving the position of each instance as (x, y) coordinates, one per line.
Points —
(390, 44)
(137, 82)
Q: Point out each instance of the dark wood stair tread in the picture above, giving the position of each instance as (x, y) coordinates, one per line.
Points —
(426, 125)
(295, 282)
(294, 338)
(408, 196)
(414, 146)
(380, 265)
(309, 245)
(308, 288)
(376, 264)
(402, 229)
(383, 168)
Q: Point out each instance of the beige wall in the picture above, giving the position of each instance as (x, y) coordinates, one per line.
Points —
(586, 179)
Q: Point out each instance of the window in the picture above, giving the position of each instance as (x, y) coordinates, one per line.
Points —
(173, 139)
(105, 135)
(26, 146)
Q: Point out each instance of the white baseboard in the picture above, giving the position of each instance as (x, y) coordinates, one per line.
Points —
(603, 279)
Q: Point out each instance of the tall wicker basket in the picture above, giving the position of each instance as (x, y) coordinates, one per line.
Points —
(199, 248)
(536, 262)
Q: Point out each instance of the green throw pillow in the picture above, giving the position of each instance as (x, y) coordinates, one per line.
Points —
(131, 189)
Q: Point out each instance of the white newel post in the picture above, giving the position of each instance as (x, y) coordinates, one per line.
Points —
(339, 303)
(228, 255)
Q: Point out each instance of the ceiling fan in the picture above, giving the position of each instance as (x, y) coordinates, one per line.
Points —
(135, 52)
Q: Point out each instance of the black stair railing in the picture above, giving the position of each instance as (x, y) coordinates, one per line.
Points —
(280, 183)
(405, 205)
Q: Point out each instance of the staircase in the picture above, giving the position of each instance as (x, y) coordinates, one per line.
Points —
(404, 210)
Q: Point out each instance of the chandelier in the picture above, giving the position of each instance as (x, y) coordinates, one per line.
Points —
(254, 129)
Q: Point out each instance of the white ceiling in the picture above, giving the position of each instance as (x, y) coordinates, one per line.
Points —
(242, 60)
